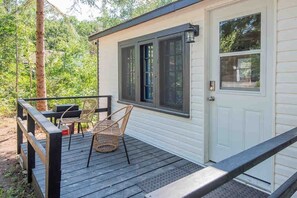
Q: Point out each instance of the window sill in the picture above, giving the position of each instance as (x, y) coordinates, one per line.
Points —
(170, 112)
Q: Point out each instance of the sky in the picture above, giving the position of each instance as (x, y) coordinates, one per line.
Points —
(85, 13)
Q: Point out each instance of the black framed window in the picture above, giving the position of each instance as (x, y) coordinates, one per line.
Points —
(128, 73)
(146, 64)
(171, 73)
(154, 72)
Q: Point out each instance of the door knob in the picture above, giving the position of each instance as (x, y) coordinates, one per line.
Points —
(211, 98)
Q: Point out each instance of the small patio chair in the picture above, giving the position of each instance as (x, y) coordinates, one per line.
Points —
(86, 116)
(106, 133)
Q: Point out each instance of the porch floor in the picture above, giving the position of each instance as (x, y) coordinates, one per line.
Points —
(109, 174)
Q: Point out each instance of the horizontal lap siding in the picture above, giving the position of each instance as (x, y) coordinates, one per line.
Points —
(286, 86)
(181, 136)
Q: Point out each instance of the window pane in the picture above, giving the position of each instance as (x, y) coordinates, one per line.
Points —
(146, 56)
(240, 72)
(128, 73)
(171, 73)
(240, 34)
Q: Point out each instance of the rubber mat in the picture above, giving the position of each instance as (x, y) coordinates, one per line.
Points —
(231, 189)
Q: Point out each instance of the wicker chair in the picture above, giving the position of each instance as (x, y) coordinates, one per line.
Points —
(106, 133)
(86, 116)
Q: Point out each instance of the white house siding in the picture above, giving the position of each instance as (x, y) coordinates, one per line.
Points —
(286, 86)
(181, 136)
(186, 137)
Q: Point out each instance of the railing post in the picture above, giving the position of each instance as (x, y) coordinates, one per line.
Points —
(53, 165)
(31, 151)
(108, 106)
(19, 131)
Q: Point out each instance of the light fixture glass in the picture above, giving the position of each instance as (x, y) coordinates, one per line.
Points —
(191, 33)
(190, 38)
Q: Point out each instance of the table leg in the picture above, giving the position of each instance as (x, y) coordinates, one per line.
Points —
(71, 128)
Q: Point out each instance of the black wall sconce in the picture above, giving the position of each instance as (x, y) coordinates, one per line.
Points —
(191, 33)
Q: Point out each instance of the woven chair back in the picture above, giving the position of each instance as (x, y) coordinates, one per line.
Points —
(126, 118)
(88, 110)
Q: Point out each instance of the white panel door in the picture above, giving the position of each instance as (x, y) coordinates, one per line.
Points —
(240, 66)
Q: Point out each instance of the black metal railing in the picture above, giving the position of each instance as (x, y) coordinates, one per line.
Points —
(208, 179)
(51, 155)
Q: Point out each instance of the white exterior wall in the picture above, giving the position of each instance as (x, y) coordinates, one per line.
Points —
(188, 137)
(181, 136)
(286, 86)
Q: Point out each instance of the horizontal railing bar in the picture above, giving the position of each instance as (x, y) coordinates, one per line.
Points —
(287, 189)
(40, 120)
(39, 149)
(204, 181)
(66, 97)
(20, 124)
(69, 113)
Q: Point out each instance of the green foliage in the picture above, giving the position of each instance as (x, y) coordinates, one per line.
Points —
(18, 184)
(70, 58)
(117, 11)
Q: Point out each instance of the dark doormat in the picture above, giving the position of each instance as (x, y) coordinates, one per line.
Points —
(231, 189)
(168, 177)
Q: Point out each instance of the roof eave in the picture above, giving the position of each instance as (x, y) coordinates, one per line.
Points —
(172, 7)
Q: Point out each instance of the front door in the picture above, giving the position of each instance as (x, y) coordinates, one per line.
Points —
(240, 88)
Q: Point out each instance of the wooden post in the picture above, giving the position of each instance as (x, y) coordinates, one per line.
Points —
(53, 165)
(31, 151)
(109, 106)
(19, 131)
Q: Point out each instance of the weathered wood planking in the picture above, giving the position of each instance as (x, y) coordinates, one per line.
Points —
(106, 170)
(109, 175)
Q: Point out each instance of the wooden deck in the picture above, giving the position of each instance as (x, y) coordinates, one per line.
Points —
(109, 174)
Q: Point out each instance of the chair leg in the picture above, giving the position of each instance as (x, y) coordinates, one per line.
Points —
(90, 153)
(123, 139)
(69, 141)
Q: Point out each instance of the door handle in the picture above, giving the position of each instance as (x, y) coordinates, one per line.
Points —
(211, 98)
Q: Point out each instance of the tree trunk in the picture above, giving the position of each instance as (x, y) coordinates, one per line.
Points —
(16, 53)
(40, 63)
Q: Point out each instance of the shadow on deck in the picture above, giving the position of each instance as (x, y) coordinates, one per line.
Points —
(109, 174)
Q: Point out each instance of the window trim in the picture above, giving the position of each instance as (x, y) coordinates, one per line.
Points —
(261, 51)
(155, 39)
(138, 83)
(121, 70)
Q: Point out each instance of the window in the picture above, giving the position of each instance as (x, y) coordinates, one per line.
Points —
(240, 52)
(128, 73)
(154, 72)
(146, 63)
(171, 72)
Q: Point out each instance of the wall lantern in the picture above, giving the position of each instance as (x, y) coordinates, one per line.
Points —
(191, 33)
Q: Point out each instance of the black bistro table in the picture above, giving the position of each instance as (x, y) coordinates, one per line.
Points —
(53, 115)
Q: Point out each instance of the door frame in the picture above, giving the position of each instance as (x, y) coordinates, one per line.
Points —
(271, 46)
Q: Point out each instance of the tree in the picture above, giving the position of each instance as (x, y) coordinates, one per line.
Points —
(70, 63)
(40, 64)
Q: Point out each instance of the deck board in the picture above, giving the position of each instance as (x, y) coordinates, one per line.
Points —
(109, 174)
